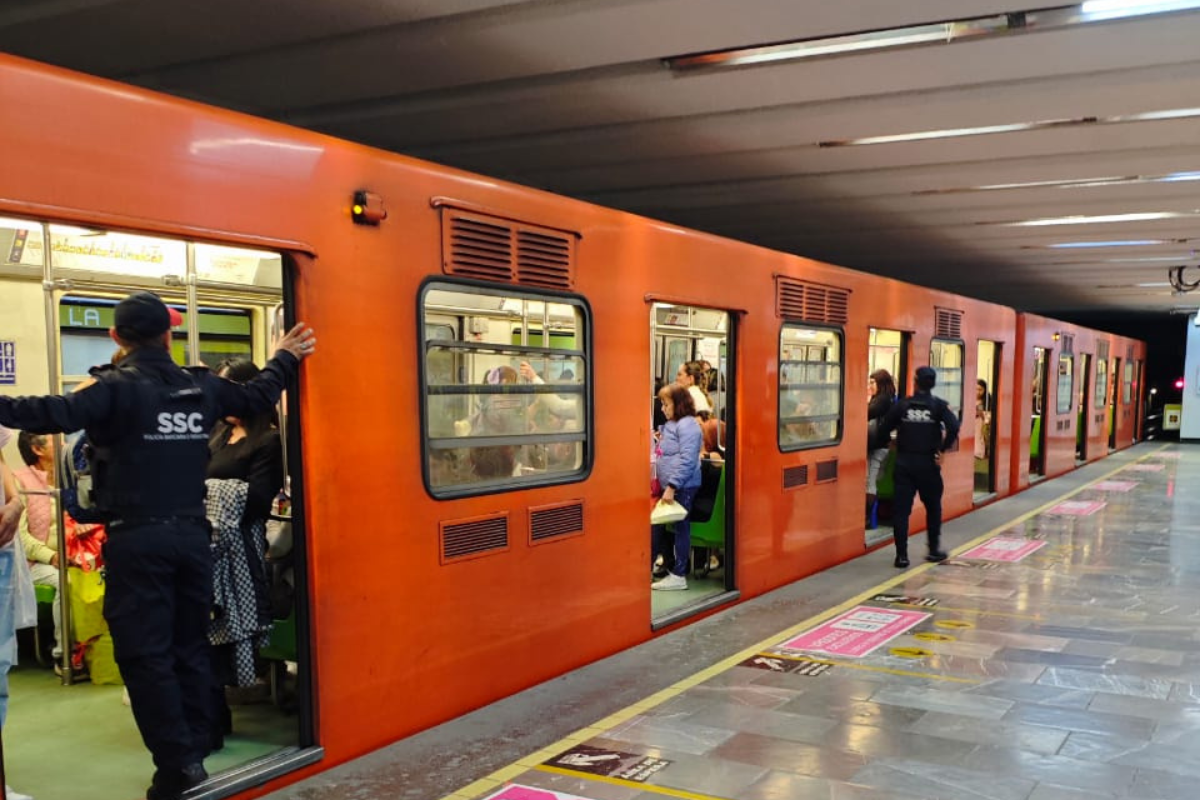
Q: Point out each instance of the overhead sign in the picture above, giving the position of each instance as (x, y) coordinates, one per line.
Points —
(1004, 548)
(857, 632)
(610, 763)
(8, 363)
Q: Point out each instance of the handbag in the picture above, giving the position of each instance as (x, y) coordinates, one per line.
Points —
(665, 513)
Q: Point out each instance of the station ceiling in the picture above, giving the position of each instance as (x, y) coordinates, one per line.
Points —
(999, 155)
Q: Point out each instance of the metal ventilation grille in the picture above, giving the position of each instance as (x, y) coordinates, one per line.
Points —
(551, 522)
(1129, 353)
(795, 476)
(947, 324)
(477, 537)
(1102, 350)
(489, 248)
(827, 471)
(811, 302)
(1068, 344)
(545, 258)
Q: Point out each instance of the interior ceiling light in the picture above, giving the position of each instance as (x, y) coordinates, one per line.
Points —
(1116, 243)
(1147, 259)
(927, 34)
(1068, 183)
(1153, 284)
(1179, 283)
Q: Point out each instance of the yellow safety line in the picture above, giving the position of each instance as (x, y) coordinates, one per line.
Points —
(533, 761)
(643, 787)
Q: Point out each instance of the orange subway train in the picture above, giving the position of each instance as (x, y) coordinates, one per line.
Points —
(469, 453)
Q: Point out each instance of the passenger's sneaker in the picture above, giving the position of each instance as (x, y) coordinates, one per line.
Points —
(936, 555)
(671, 583)
(11, 795)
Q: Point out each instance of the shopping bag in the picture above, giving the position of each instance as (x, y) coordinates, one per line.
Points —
(25, 613)
(667, 512)
(101, 663)
(87, 603)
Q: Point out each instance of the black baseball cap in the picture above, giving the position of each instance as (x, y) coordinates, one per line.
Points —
(926, 375)
(143, 315)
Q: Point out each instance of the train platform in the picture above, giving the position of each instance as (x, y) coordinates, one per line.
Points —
(1055, 656)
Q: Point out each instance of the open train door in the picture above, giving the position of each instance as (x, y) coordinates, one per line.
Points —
(697, 346)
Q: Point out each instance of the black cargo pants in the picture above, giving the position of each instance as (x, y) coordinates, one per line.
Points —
(917, 474)
(157, 601)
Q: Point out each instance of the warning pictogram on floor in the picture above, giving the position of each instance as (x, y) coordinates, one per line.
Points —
(610, 763)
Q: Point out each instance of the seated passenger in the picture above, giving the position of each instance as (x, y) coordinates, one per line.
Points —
(39, 528)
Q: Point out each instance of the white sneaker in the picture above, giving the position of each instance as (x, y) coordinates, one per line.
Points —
(671, 583)
(11, 795)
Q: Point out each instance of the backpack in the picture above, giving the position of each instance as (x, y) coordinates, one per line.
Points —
(75, 480)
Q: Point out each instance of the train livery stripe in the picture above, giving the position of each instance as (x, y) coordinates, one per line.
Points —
(537, 760)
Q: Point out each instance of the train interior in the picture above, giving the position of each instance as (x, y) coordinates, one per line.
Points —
(683, 335)
(887, 350)
(1038, 421)
(60, 286)
(986, 414)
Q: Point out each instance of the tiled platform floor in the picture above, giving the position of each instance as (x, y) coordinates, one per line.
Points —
(1073, 672)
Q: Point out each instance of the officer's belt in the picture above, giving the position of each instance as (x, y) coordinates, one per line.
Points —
(140, 522)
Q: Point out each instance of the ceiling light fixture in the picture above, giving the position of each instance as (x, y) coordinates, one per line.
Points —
(1095, 10)
(1116, 243)
(1180, 284)
(1095, 219)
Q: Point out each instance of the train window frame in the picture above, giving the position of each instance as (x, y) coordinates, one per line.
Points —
(1067, 360)
(1101, 399)
(581, 360)
(1127, 372)
(839, 419)
(935, 346)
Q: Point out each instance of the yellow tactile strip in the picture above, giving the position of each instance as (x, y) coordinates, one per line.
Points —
(535, 761)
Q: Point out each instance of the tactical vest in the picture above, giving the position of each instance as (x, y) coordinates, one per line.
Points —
(156, 466)
(920, 428)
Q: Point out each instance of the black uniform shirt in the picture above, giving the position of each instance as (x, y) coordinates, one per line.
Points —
(926, 425)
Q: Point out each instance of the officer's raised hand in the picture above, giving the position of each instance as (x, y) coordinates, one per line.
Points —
(300, 341)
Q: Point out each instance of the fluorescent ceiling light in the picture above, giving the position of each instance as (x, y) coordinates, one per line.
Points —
(1094, 10)
(1116, 243)
(19, 224)
(1069, 183)
(1153, 284)
(1092, 220)
(1148, 259)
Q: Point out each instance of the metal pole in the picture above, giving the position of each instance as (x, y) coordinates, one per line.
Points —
(66, 630)
(193, 313)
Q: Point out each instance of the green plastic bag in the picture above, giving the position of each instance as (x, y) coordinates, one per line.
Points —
(87, 604)
(101, 664)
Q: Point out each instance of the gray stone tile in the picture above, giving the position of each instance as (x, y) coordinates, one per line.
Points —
(857, 712)
(1048, 791)
(1061, 659)
(1099, 747)
(712, 776)
(1092, 634)
(967, 705)
(1056, 769)
(1149, 784)
(1147, 707)
(880, 743)
(764, 751)
(1035, 693)
(792, 727)
(788, 786)
(1104, 682)
(681, 735)
(934, 782)
(1070, 719)
(1033, 738)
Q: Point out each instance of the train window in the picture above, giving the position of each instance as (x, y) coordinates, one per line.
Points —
(1066, 382)
(810, 387)
(1127, 383)
(946, 358)
(1101, 382)
(505, 378)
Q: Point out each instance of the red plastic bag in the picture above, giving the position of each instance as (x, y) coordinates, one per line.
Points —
(84, 544)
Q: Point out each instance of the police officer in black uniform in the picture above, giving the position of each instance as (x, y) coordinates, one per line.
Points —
(926, 428)
(148, 422)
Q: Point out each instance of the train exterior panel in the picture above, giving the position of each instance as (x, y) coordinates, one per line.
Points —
(400, 637)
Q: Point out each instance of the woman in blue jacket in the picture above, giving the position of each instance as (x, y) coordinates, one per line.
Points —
(678, 470)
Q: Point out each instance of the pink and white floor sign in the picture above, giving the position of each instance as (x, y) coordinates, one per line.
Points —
(1078, 508)
(856, 632)
(1146, 467)
(1114, 486)
(518, 792)
(1004, 548)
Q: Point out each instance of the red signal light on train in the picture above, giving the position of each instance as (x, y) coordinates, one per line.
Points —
(1179, 383)
(367, 208)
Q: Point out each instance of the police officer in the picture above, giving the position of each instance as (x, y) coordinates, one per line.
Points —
(148, 422)
(926, 428)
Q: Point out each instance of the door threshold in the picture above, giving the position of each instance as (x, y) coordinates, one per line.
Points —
(256, 773)
(683, 612)
(981, 499)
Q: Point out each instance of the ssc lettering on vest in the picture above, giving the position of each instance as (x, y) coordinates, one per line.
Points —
(179, 425)
(918, 415)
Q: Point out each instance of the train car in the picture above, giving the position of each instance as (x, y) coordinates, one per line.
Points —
(469, 453)
(1085, 389)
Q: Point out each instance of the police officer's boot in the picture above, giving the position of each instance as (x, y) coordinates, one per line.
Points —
(936, 553)
(901, 551)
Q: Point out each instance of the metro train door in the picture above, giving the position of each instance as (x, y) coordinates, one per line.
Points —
(887, 350)
(682, 336)
(987, 392)
(231, 301)
(1113, 400)
(1038, 422)
(1081, 422)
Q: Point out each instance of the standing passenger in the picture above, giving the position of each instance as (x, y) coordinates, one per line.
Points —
(691, 377)
(926, 428)
(10, 514)
(678, 469)
(148, 422)
(882, 390)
